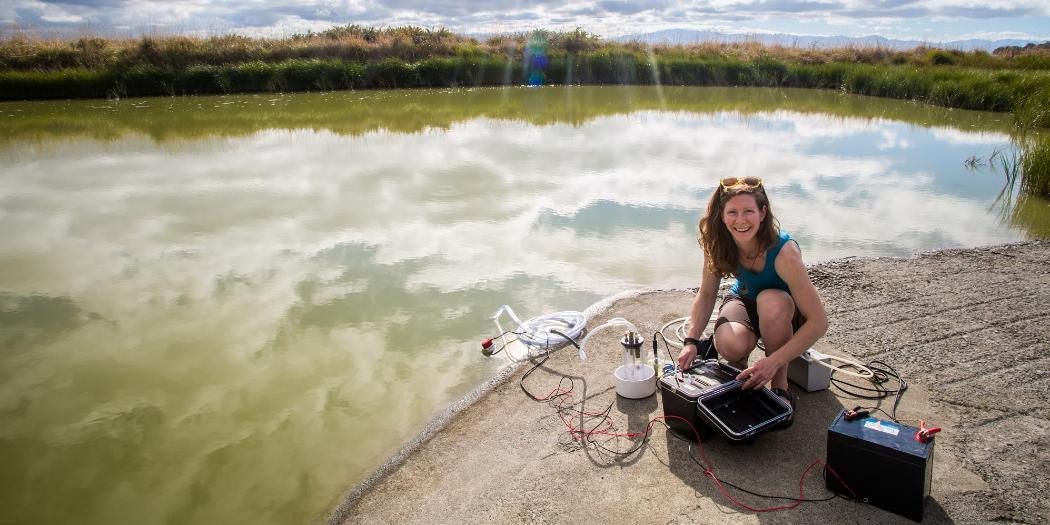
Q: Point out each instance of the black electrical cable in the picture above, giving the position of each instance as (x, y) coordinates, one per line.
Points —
(692, 456)
(500, 349)
(521, 382)
(547, 355)
(571, 340)
(604, 416)
(760, 495)
(824, 476)
(637, 446)
(666, 346)
(881, 374)
(509, 332)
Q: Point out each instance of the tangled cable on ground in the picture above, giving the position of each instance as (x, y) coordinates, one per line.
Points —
(882, 373)
(560, 399)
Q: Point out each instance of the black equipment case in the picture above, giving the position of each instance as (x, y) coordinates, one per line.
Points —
(709, 397)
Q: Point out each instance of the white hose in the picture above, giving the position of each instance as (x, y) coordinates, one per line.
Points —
(862, 372)
(618, 321)
(682, 329)
(536, 332)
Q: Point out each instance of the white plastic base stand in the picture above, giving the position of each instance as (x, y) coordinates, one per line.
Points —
(635, 381)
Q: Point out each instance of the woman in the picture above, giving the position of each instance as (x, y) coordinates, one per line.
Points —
(773, 297)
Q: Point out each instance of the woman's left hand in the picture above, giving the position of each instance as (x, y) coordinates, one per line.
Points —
(759, 374)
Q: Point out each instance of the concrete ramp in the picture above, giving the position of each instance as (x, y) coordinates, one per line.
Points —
(968, 329)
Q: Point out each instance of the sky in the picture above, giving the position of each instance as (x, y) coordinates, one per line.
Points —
(931, 21)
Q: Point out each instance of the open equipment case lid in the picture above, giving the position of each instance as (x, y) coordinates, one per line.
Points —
(721, 403)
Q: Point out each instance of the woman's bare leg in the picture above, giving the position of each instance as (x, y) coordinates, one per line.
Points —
(734, 342)
(776, 309)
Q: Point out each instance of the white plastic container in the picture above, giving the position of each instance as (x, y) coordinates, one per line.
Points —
(635, 381)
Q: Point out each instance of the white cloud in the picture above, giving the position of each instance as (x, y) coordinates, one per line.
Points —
(606, 17)
(956, 136)
(62, 18)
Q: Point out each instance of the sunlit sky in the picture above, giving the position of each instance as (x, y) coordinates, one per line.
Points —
(931, 21)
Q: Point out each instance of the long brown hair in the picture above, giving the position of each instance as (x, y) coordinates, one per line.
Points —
(721, 256)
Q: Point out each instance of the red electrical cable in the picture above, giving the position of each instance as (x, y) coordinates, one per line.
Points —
(559, 396)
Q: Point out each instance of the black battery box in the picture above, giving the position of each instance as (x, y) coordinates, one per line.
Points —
(881, 462)
(710, 399)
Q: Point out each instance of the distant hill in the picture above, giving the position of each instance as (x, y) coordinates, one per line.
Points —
(686, 36)
(1028, 49)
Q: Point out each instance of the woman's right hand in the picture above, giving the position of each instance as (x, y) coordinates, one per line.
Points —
(686, 356)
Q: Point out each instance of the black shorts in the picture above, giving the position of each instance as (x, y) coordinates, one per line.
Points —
(737, 309)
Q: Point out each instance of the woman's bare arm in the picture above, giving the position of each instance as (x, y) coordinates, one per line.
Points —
(791, 269)
(699, 314)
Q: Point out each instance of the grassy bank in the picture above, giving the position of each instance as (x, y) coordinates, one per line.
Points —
(1033, 146)
(410, 44)
(965, 88)
(355, 57)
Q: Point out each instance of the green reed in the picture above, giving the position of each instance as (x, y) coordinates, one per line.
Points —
(1026, 166)
(1031, 112)
(965, 88)
(412, 44)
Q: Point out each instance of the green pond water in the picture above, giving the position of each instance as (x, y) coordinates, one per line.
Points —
(231, 309)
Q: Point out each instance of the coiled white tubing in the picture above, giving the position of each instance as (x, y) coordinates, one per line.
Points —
(682, 329)
(538, 329)
(536, 333)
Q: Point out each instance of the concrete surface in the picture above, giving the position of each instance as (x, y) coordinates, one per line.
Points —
(968, 329)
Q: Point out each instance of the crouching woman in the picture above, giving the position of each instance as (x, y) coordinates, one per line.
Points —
(773, 298)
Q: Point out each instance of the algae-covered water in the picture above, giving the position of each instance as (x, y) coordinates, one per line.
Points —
(231, 309)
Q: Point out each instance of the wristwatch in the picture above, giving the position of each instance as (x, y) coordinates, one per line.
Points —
(691, 341)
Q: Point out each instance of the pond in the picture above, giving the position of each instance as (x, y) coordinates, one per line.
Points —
(231, 309)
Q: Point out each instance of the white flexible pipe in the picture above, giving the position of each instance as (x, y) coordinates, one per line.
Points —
(618, 321)
(536, 332)
(862, 372)
(681, 330)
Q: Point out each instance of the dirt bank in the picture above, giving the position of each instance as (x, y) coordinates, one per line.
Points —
(968, 329)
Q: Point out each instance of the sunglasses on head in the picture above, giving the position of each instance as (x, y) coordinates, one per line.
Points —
(749, 182)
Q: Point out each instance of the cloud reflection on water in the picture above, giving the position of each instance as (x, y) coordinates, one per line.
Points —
(290, 305)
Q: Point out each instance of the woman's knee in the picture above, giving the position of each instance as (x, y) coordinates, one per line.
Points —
(775, 306)
(734, 344)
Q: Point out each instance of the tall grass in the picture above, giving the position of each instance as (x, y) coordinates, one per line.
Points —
(965, 88)
(1027, 165)
(1035, 168)
(412, 44)
(362, 57)
(1031, 112)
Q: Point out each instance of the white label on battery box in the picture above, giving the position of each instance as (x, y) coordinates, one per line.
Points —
(882, 426)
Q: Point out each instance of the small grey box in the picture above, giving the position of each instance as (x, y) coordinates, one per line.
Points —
(808, 373)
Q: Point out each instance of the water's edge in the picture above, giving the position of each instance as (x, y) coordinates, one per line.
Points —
(340, 514)
(457, 407)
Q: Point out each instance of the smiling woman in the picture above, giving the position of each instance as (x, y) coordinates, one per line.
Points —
(773, 297)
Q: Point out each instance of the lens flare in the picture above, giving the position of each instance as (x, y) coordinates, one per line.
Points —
(536, 60)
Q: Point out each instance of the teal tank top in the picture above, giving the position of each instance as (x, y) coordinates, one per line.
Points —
(749, 284)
